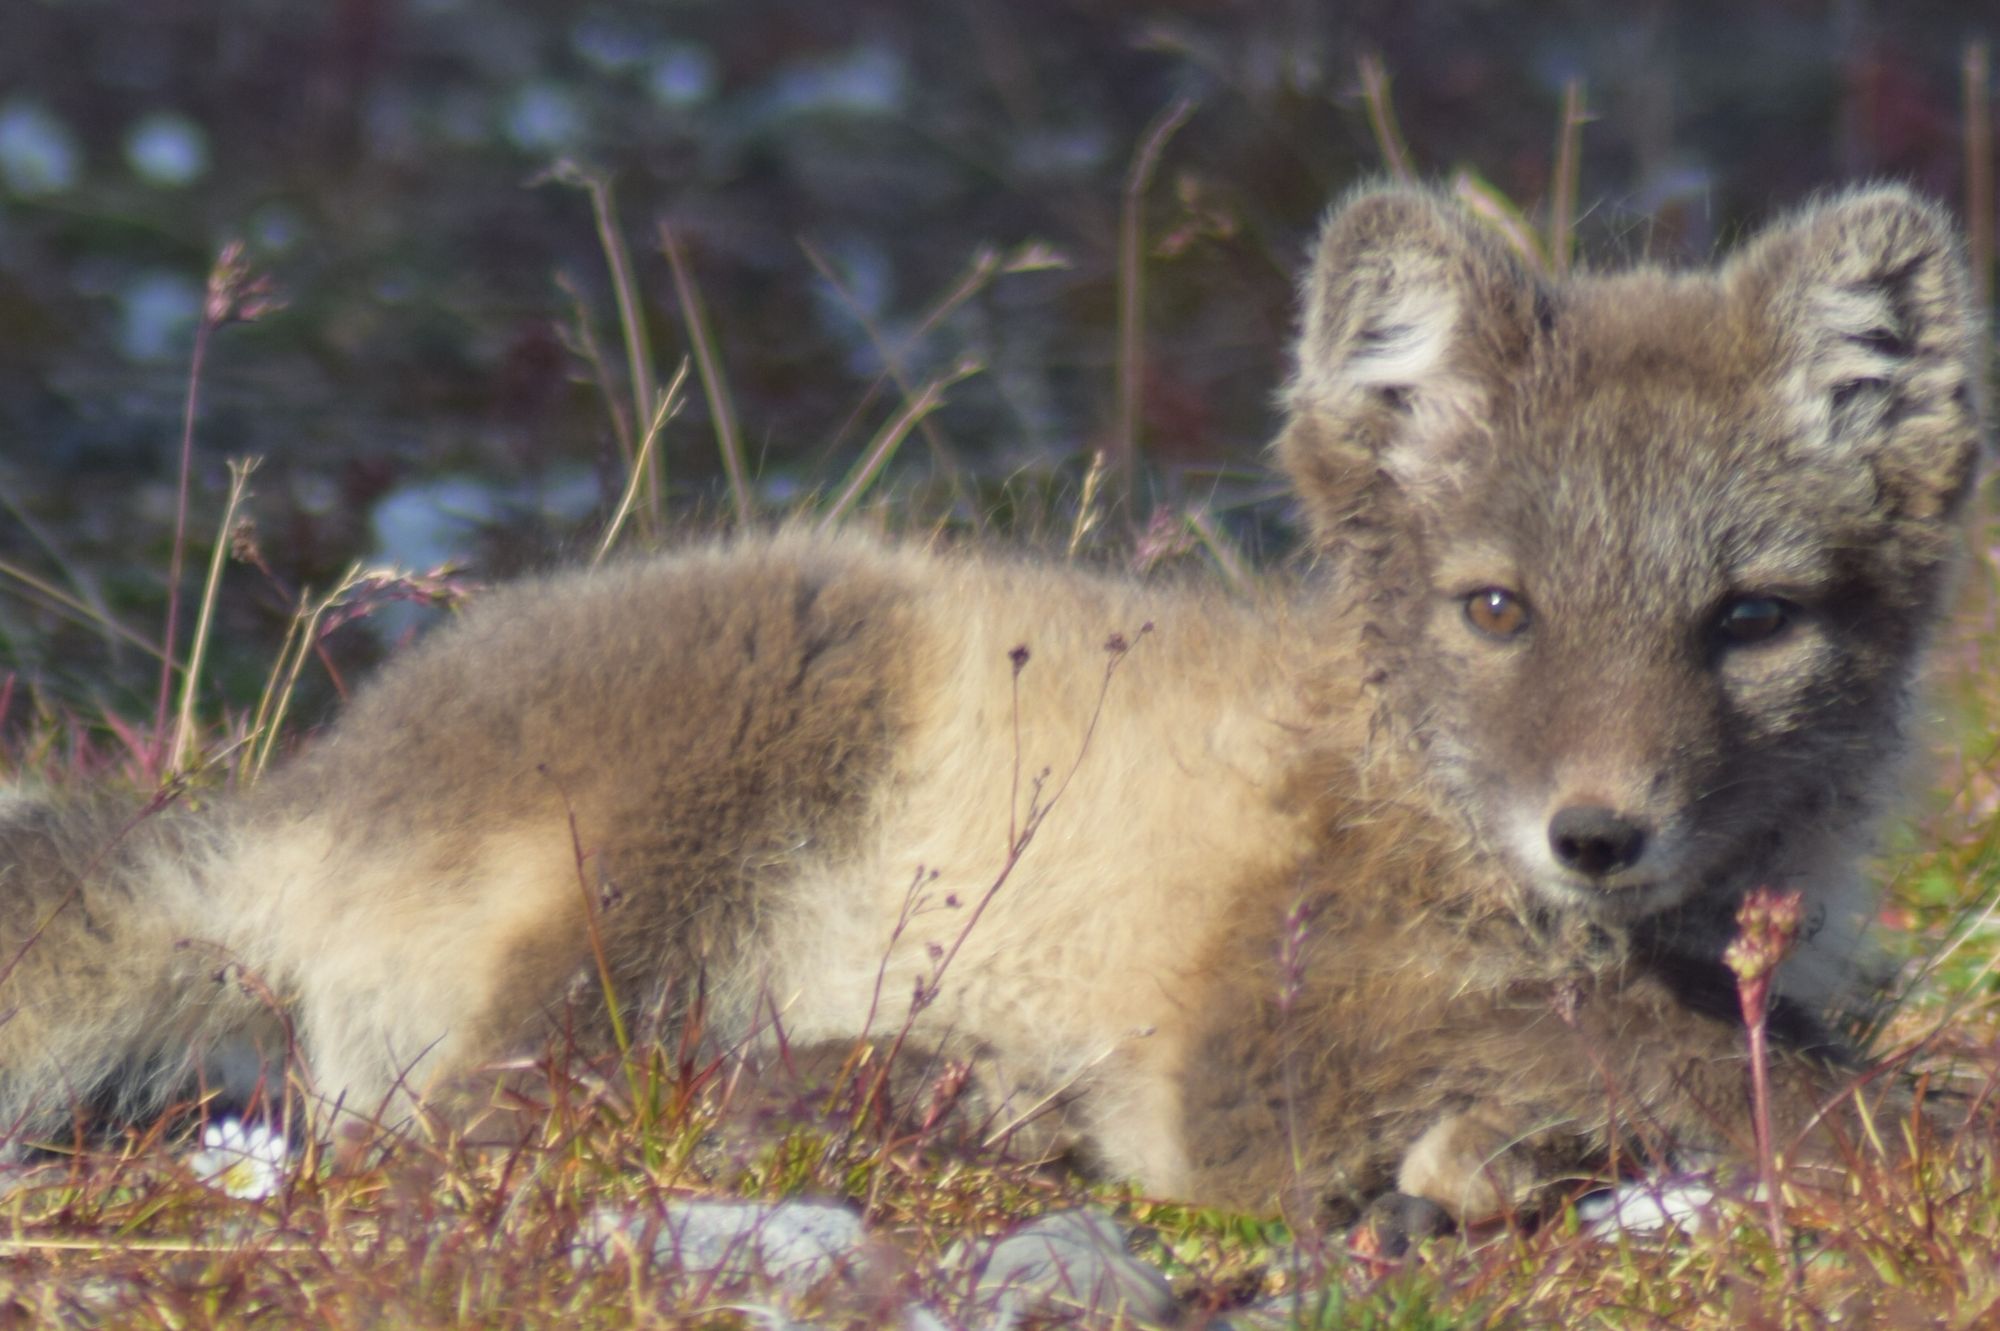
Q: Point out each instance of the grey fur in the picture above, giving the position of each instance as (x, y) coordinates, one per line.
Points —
(1297, 920)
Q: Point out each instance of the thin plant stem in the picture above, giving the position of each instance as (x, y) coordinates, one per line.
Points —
(669, 406)
(883, 447)
(1235, 569)
(625, 291)
(1496, 210)
(638, 348)
(596, 935)
(86, 595)
(1756, 1019)
(1131, 292)
(253, 760)
(1767, 927)
(586, 346)
(985, 264)
(1979, 202)
(77, 610)
(285, 672)
(239, 489)
(202, 328)
(1382, 120)
(1562, 204)
(713, 387)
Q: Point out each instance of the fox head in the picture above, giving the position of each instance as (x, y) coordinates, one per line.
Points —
(1644, 561)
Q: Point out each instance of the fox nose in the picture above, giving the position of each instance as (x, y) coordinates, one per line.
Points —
(1594, 840)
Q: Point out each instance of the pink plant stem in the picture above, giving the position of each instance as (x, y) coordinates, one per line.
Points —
(1755, 996)
(1767, 927)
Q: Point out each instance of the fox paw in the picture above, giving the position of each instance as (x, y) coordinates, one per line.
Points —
(1395, 1221)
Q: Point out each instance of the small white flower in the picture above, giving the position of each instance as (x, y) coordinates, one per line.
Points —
(245, 1160)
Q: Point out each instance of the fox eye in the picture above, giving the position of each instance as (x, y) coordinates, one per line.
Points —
(1752, 619)
(1496, 612)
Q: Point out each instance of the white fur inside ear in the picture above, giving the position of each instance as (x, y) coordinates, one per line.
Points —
(1855, 329)
(1403, 353)
(1404, 341)
(1850, 364)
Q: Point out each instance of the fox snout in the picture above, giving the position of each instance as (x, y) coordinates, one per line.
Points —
(1596, 841)
(1613, 858)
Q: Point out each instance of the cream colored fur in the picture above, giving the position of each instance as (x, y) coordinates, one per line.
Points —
(1413, 873)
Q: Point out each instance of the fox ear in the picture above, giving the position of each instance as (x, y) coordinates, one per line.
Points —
(1868, 305)
(1410, 311)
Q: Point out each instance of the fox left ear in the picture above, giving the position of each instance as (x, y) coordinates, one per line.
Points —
(1868, 305)
(1413, 317)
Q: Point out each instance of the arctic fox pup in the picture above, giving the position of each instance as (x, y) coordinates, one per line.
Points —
(1411, 874)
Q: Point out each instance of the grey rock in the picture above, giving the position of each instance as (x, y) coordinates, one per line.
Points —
(1069, 1265)
(795, 1245)
(1072, 1261)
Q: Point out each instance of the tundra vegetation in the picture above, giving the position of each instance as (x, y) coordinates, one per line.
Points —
(477, 1224)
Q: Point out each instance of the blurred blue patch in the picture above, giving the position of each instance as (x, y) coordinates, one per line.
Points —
(38, 154)
(1058, 153)
(167, 149)
(545, 118)
(871, 79)
(684, 75)
(275, 227)
(156, 309)
(425, 525)
(609, 45)
(860, 313)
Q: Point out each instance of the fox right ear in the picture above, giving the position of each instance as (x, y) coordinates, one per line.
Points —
(1411, 311)
(1875, 331)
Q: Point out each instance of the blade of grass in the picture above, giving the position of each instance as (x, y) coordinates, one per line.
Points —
(596, 936)
(1132, 293)
(1087, 512)
(1484, 201)
(584, 345)
(625, 291)
(713, 387)
(178, 552)
(669, 407)
(1562, 204)
(1382, 120)
(88, 615)
(256, 751)
(284, 679)
(235, 293)
(985, 263)
(240, 470)
(1235, 568)
(1976, 75)
(86, 594)
(890, 438)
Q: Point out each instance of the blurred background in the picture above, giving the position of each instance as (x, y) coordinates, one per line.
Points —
(871, 198)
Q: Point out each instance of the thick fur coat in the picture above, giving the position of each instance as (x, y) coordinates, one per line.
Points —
(1411, 874)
